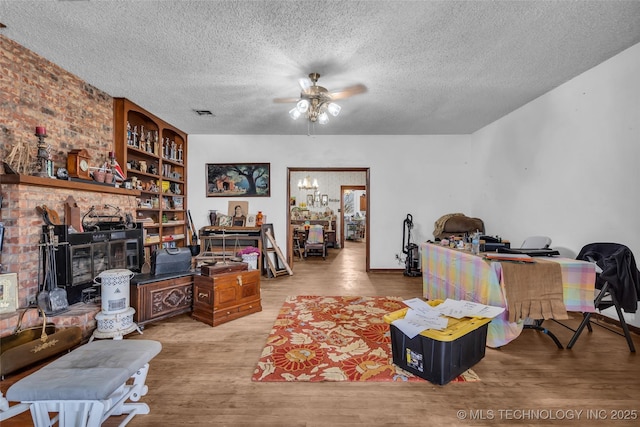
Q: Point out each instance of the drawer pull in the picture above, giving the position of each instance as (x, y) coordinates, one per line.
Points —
(202, 295)
(228, 313)
(239, 278)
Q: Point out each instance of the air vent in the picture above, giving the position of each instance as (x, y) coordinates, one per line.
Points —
(204, 113)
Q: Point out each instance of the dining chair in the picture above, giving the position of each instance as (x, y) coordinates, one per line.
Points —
(617, 285)
(315, 242)
(298, 243)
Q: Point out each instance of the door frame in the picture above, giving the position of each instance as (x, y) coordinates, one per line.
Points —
(343, 189)
(367, 189)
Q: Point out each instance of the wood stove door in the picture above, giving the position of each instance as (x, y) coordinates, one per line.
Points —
(117, 254)
(100, 258)
(81, 266)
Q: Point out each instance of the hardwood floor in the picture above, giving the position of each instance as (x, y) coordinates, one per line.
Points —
(202, 377)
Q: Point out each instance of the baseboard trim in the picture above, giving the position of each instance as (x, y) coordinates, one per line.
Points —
(390, 271)
(614, 322)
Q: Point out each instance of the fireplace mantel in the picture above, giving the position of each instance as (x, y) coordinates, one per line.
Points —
(71, 185)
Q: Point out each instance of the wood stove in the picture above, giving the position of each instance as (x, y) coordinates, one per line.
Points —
(88, 254)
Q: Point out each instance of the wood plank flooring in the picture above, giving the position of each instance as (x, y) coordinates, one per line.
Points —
(202, 377)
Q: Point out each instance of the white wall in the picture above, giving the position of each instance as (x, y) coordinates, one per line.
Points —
(409, 174)
(567, 164)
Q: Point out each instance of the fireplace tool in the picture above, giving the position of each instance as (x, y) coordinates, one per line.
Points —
(52, 299)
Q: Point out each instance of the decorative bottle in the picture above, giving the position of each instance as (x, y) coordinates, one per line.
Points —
(475, 243)
(259, 218)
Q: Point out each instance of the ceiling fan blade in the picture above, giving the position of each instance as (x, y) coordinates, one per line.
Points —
(348, 91)
(305, 83)
(285, 100)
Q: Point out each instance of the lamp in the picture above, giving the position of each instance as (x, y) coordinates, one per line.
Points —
(307, 185)
(315, 102)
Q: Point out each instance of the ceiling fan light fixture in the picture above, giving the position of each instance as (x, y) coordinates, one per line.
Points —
(334, 109)
(323, 118)
(303, 106)
(294, 113)
(316, 102)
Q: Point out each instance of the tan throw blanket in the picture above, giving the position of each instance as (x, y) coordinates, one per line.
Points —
(533, 290)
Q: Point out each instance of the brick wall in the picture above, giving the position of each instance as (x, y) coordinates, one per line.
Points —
(35, 92)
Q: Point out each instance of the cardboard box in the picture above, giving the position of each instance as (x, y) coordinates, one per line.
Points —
(439, 356)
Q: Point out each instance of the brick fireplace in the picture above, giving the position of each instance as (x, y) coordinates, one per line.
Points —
(23, 229)
(36, 92)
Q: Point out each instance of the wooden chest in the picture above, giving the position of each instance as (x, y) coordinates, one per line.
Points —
(155, 299)
(220, 298)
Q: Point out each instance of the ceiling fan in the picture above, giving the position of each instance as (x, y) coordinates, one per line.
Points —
(316, 102)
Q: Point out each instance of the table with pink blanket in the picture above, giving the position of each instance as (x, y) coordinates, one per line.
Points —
(457, 274)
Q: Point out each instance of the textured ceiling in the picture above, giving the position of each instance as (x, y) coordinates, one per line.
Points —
(431, 67)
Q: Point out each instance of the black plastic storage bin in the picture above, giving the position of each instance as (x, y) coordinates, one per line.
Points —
(439, 356)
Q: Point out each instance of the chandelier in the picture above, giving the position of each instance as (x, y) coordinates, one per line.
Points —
(307, 185)
(315, 102)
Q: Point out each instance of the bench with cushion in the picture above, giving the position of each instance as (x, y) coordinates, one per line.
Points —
(88, 385)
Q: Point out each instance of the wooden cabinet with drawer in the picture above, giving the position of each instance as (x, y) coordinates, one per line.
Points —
(223, 297)
(160, 297)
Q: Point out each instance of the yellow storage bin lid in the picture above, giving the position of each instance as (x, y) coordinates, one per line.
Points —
(455, 329)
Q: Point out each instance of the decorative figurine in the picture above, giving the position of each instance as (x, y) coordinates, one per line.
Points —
(142, 140)
(174, 152)
(129, 141)
(134, 140)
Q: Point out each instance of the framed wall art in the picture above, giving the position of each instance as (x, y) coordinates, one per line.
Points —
(238, 213)
(238, 180)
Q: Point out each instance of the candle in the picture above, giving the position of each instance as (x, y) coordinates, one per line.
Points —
(41, 130)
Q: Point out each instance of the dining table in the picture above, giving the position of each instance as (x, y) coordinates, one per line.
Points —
(461, 275)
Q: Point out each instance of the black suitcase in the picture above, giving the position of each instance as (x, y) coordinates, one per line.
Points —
(170, 260)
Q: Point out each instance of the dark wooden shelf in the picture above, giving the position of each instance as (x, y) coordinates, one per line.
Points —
(60, 183)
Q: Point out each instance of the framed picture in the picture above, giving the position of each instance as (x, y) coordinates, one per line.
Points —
(309, 199)
(251, 220)
(238, 213)
(325, 200)
(238, 180)
(224, 220)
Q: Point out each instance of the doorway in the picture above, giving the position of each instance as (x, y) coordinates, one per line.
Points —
(354, 213)
(329, 196)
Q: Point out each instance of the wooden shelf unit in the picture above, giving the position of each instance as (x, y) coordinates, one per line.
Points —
(163, 201)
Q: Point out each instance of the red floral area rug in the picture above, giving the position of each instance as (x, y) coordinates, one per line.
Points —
(334, 339)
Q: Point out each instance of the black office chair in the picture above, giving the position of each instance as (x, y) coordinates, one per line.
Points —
(617, 285)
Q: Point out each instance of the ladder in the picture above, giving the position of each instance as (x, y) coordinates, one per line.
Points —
(277, 263)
